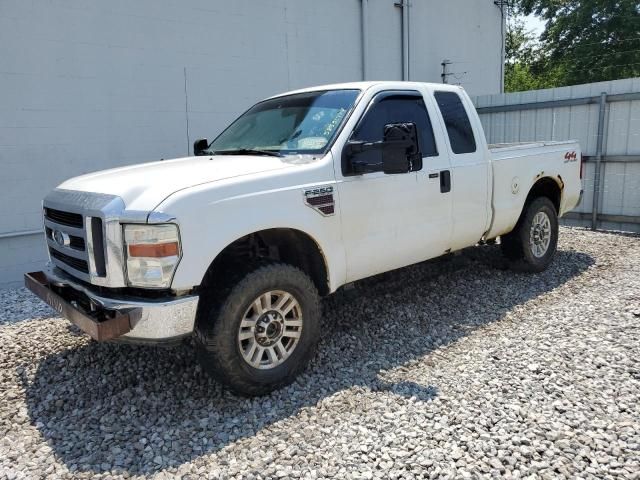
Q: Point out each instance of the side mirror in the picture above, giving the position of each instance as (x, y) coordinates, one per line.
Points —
(399, 142)
(199, 146)
(401, 147)
(400, 152)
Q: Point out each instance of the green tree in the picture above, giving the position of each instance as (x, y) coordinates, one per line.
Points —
(527, 66)
(586, 40)
(523, 57)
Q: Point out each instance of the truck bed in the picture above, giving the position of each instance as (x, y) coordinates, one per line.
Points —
(517, 166)
(517, 149)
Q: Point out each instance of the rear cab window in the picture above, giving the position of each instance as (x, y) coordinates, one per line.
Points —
(457, 122)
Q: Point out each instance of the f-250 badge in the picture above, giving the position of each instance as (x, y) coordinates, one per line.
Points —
(321, 199)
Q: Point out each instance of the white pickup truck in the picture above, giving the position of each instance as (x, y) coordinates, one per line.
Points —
(305, 192)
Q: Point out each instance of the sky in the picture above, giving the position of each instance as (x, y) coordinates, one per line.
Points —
(534, 23)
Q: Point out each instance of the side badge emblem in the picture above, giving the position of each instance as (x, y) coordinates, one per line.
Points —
(320, 199)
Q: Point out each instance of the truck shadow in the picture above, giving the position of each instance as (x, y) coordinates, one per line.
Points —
(139, 410)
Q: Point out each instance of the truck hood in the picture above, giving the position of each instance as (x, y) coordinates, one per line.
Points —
(144, 186)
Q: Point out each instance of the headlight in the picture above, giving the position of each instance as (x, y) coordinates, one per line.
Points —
(153, 252)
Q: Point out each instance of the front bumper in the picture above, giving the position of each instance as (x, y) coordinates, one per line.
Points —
(154, 321)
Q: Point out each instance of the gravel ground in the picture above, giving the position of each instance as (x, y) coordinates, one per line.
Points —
(450, 369)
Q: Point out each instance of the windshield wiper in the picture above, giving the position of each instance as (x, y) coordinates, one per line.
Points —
(247, 151)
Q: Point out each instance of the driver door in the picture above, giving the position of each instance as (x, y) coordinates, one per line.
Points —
(393, 220)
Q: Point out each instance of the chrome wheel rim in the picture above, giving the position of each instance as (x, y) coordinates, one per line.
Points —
(540, 234)
(270, 329)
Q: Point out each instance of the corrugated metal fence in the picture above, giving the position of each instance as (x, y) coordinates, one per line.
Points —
(605, 118)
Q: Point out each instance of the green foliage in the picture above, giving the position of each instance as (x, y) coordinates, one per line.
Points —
(522, 59)
(526, 65)
(583, 41)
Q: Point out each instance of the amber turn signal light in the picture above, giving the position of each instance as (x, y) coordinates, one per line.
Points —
(156, 250)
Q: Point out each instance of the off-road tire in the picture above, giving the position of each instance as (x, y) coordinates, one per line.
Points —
(516, 245)
(219, 320)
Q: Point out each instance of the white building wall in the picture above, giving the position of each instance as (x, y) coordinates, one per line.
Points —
(89, 84)
(464, 32)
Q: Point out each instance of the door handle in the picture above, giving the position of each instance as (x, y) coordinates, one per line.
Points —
(445, 181)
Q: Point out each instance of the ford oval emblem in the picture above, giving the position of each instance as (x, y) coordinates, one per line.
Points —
(61, 238)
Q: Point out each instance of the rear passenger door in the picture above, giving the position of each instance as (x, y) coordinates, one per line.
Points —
(469, 170)
(389, 221)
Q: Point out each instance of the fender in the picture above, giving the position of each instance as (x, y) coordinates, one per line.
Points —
(509, 208)
(211, 217)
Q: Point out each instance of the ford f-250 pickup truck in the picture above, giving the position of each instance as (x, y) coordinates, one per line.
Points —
(305, 192)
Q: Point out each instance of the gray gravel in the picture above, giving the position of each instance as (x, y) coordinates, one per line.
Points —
(452, 369)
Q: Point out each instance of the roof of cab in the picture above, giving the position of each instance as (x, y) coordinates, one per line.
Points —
(366, 85)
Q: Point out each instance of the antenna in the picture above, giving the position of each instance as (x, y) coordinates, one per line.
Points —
(501, 4)
(445, 73)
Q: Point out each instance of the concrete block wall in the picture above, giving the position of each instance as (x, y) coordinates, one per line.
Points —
(88, 84)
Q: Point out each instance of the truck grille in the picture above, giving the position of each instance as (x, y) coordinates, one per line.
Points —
(68, 243)
(84, 235)
(64, 218)
(77, 243)
(76, 263)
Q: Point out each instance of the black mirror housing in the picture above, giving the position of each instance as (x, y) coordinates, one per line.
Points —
(200, 146)
(400, 151)
(400, 148)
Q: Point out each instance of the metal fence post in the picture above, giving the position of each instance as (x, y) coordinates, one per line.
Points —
(596, 178)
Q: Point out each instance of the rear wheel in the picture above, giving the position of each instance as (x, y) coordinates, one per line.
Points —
(261, 331)
(532, 244)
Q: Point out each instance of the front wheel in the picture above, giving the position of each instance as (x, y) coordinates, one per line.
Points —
(531, 245)
(262, 331)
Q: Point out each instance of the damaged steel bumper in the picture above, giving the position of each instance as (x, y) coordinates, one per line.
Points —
(164, 320)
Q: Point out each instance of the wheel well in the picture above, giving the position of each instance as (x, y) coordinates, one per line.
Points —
(282, 244)
(545, 187)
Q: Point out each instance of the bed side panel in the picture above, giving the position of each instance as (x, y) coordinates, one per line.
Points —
(516, 171)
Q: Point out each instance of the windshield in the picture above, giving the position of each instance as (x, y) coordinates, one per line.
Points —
(299, 123)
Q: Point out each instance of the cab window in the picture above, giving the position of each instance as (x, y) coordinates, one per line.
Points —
(385, 108)
(457, 122)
